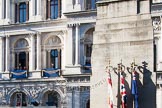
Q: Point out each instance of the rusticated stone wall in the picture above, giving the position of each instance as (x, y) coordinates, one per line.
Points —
(122, 34)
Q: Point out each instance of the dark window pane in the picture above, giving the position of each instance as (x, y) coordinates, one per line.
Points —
(54, 58)
(91, 4)
(54, 9)
(22, 60)
(22, 8)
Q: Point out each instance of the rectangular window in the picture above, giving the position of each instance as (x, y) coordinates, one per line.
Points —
(35, 7)
(4, 9)
(22, 12)
(90, 4)
(54, 58)
(54, 9)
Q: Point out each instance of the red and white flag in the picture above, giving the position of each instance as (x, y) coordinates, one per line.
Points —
(110, 93)
(123, 91)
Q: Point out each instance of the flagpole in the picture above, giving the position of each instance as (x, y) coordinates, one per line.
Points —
(134, 86)
(119, 99)
(132, 79)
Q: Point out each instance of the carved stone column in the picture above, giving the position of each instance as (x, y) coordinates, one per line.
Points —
(32, 53)
(8, 9)
(76, 1)
(39, 51)
(17, 61)
(7, 54)
(77, 44)
(2, 54)
(1, 9)
(69, 50)
(38, 7)
(27, 60)
(31, 9)
(49, 59)
(59, 8)
(48, 11)
(17, 13)
(13, 59)
(27, 10)
(59, 58)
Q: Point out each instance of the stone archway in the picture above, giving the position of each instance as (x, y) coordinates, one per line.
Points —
(51, 98)
(18, 98)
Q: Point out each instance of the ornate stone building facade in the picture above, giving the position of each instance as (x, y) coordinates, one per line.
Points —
(46, 46)
(45, 52)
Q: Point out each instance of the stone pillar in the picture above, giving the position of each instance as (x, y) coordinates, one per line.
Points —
(69, 50)
(31, 9)
(2, 54)
(17, 13)
(59, 58)
(77, 44)
(13, 60)
(27, 60)
(38, 7)
(8, 9)
(76, 2)
(49, 11)
(160, 50)
(59, 8)
(32, 53)
(27, 10)
(38, 51)
(63, 8)
(17, 61)
(48, 59)
(1, 9)
(7, 54)
(44, 58)
(63, 51)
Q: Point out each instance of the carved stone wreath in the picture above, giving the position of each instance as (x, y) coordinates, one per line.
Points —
(53, 41)
(156, 24)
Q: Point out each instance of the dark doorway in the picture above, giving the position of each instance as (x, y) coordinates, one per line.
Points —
(19, 99)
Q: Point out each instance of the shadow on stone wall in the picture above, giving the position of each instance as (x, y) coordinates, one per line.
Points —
(147, 90)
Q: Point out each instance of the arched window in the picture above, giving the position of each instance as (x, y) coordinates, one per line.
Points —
(88, 42)
(53, 54)
(21, 54)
